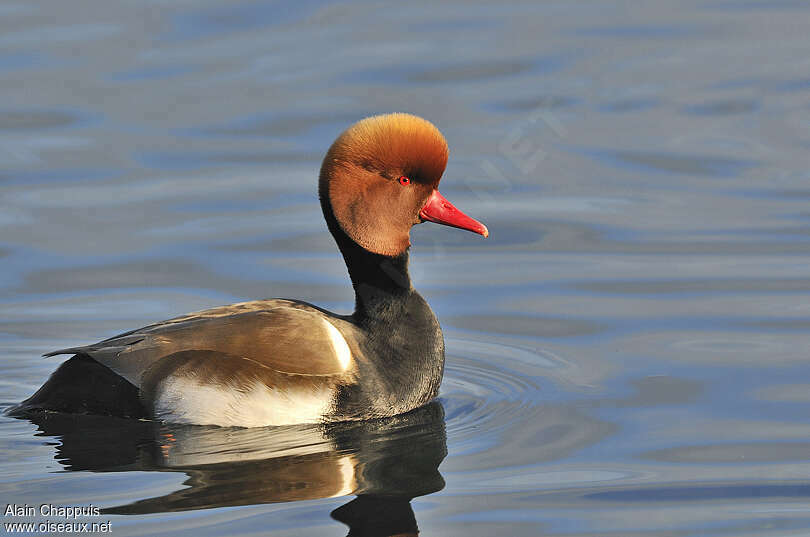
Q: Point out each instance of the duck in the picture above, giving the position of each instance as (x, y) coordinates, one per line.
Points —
(281, 361)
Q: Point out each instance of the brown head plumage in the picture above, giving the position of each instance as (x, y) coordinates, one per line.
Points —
(362, 181)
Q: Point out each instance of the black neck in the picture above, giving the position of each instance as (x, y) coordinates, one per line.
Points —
(380, 282)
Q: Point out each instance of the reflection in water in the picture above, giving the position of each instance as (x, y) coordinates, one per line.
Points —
(384, 462)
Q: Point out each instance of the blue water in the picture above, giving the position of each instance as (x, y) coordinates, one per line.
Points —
(627, 352)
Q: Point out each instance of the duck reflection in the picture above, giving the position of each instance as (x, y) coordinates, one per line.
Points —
(385, 462)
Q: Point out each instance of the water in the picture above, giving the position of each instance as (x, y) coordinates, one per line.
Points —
(627, 352)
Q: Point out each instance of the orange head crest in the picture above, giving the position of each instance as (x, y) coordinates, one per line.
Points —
(379, 177)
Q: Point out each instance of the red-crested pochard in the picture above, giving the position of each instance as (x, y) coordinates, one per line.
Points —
(279, 361)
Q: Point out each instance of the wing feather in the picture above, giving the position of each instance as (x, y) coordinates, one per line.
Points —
(285, 336)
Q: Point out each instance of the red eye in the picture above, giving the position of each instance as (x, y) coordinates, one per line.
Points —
(404, 180)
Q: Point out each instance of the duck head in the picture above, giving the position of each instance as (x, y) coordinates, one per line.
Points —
(381, 177)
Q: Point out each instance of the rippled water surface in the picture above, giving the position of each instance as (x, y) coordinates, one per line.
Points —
(628, 353)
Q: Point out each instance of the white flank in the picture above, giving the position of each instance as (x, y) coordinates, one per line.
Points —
(339, 345)
(184, 400)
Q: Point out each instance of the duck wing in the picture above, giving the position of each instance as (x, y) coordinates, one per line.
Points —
(285, 336)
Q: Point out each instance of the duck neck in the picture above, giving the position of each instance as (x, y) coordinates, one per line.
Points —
(381, 283)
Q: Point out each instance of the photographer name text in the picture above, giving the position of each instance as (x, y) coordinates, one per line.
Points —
(61, 519)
